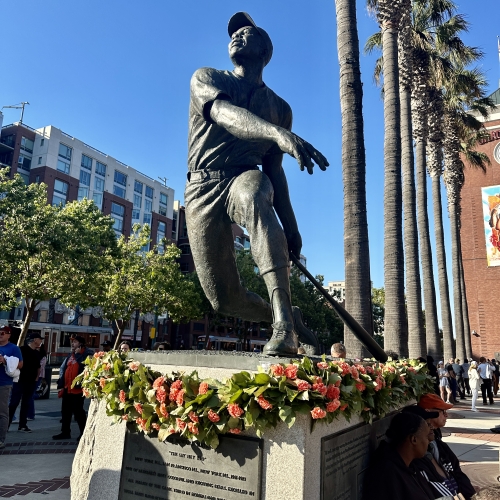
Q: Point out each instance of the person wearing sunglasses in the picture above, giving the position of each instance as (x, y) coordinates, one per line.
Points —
(441, 452)
(7, 349)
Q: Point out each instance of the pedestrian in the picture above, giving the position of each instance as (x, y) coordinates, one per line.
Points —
(43, 361)
(23, 390)
(125, 346)
(485, 371)
(72, 397)
(106, 346)
(465, 368)
(338, 350)
(496, 374)
(443, 454)
(475, 383)
(444, 384)
(8, 353)
(457, 368)
(452, 380)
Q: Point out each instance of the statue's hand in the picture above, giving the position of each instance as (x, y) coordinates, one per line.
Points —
(301, 150)
(294, 241)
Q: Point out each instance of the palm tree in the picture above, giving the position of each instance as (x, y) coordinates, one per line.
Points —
(356, 247)
(395, 337)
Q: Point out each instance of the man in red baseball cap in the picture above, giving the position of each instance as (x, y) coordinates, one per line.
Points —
(441, 452)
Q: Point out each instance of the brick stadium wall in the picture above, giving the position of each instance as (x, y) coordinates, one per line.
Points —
(481, 281)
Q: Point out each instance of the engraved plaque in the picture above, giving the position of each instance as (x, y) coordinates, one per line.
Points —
(345, 456)
(177, 469)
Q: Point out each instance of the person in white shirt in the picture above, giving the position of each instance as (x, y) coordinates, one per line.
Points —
(485, 371)
(474, 382)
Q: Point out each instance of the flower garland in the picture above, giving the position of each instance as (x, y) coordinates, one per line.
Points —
(200, 410)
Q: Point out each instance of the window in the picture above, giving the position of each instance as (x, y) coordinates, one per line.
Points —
(184, 267)
(117, 209)
(60, 192)
(148, 206)
(185, 249)
(42, 141)
(63, 166)
(136, 214)
(100, 168)
(39, 160)
(118, 191)
(118, 225)
(161, 227)
(163, 204)
(84, 178)
(149, 192)
(98, 184)
(98, 200)
(147, 219)
(137, 201)
(120, 178)
(174, 226)
(138, 187)
(24, 162)
(86, 162)
(83, 192)
(160, 235)
(27, 144)
(37, 179)
(65, 151)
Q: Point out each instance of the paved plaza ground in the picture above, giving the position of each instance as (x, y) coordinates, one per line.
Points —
(33, 464)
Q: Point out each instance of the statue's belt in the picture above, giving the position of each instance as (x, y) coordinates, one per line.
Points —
(224, 173)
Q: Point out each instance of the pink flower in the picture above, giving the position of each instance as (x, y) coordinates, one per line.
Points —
(303, 385)
(235, 431)
(158, 382)
(180, 397)
(402, 379)
(163, 410)
(102, 382)
(345, 368)
(322, 365)
(125, 417)
(379, 383)
(320, 387)
(180, 424)
(337, 384)
(354, 373)
(234, 410)
(264, 403)
(203, 389)
(361, 369)
(106, 367)
(138, 408)
(155, 426)
(193, 428)
(291, 371)
(86, 393)
(212, 416)
(318, 412)
(332, 406)
(174, 390)
(360, 386)
(278, 370)
(411, 369)
(366, 408)
(134, 366)
(332, 392)
(141, 422)
(343, 407)
(161, 394)
(99, 354)
(177, 384)
(194, 418)
(123, 397)
(368, 369)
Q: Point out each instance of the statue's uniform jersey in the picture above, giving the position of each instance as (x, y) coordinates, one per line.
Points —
(211, 146)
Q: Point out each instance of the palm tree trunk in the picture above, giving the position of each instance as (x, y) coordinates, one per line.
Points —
(434, 346)
(465, 308)
(356, 248)
(396, 333)
(416, 331)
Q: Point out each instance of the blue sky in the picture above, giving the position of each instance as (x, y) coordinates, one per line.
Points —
(116, 75)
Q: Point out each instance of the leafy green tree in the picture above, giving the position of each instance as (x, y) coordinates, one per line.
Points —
(50, 251)
(145, 281)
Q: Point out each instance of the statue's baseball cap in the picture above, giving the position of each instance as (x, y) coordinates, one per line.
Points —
(242, 19)
(431, 401)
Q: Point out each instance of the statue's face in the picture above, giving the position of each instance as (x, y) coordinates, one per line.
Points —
(246, 43)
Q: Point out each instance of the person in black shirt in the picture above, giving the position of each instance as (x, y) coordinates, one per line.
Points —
(23, 390)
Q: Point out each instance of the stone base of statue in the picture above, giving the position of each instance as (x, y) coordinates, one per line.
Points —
(287, 463)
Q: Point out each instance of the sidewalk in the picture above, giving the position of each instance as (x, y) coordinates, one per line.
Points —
(469, 436)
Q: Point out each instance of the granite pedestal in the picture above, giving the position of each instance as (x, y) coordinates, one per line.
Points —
(289, 464)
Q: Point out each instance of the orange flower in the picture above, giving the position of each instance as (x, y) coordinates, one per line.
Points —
(235, 431)
(193, 428)
(323, 365)
(234, 410)
(163, 410)
(138, 408)
(180, 424)
(161, 394)
(123, 397)
(303, 385)
(180, 397)
(332, 405)
(194, 418)
(158, 382)
(277, 370)
(318, 412)
(203, 389)
(291, 371)
(102, 382)
(264, 403)
(332, 392)
(212, 416)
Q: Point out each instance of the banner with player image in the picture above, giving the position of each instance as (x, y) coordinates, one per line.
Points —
(491, 212)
